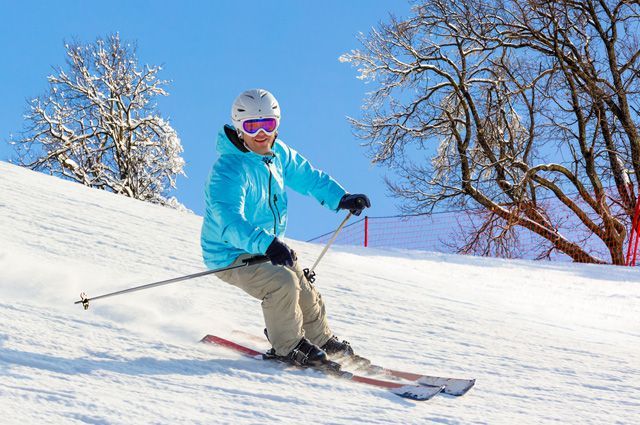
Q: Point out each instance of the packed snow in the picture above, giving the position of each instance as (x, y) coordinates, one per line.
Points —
(547, 342)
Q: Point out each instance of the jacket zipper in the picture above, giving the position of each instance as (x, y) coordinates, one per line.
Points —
(275, 204)
(267, 161)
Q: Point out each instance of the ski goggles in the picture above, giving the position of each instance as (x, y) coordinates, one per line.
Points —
(268, 125)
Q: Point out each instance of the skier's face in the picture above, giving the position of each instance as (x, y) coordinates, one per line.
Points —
(259, 143)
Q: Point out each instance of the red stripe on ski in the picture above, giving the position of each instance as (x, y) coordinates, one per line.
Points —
(230, 344)
(404, 375)
(377, 382)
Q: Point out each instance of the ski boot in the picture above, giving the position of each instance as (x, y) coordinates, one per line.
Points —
(334, 347)
(307, 355)
(303, 354)
(343, 350)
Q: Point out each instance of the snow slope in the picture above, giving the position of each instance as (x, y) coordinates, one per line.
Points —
(547, 342)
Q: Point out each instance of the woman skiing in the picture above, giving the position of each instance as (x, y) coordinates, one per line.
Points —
(246, 214)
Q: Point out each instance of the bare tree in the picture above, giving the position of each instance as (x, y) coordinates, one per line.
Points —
(508, 105)
(97, 125)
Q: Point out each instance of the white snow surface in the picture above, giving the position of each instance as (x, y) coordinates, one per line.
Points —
(547, 342)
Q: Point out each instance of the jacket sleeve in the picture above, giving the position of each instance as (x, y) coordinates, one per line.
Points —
(302, 177)
(225, 199)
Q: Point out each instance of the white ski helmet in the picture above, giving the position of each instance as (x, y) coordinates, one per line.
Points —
(254, 104)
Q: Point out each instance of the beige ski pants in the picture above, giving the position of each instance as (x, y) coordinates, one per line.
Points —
(292, 307)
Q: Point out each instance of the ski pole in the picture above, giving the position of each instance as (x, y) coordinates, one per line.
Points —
(310, 273)
(84, 300)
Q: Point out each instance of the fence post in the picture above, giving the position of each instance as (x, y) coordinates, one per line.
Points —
(635, 248)
(366, 231)
(634, 228)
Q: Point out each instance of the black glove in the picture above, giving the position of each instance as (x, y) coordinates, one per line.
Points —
(354, 203)
(280, 254)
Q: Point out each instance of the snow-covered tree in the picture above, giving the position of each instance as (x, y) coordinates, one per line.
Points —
(527, 109)
(98, 124)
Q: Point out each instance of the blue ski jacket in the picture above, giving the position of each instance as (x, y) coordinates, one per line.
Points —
(246, 199)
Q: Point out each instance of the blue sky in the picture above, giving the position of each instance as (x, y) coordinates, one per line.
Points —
(211, 51)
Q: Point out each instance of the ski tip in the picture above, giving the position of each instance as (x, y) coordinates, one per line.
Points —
(460, 388)
(417, 392)
(208, 338)
(452, 386)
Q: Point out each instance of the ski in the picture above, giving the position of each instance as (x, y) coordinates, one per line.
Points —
(452, 386)
(414, 392)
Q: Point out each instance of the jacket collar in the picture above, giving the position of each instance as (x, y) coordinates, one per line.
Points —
(232, 135)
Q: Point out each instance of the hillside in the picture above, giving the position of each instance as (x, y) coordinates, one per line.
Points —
(547, 342)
